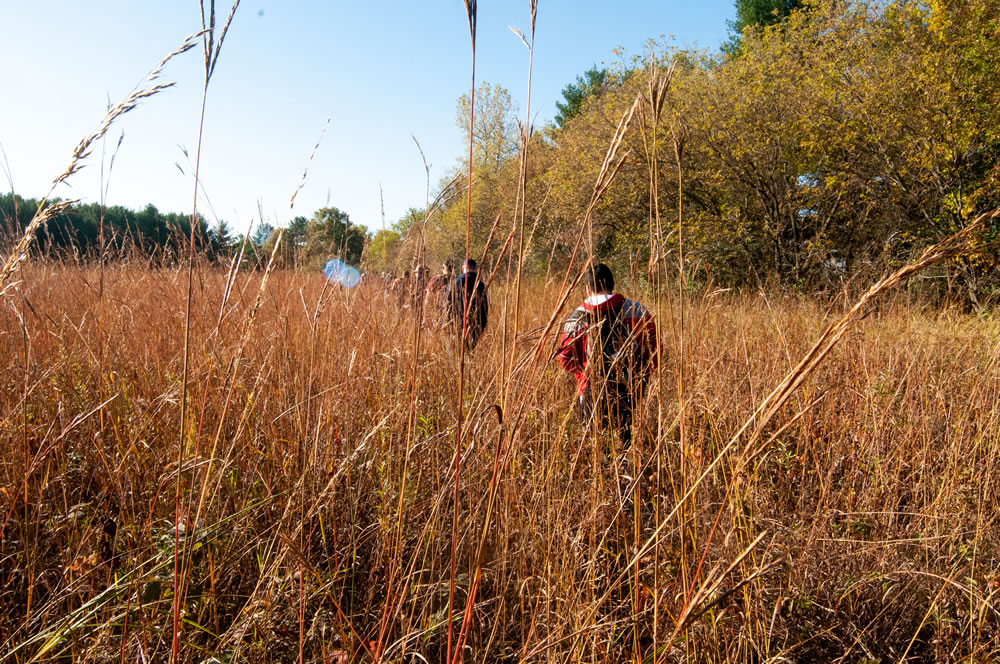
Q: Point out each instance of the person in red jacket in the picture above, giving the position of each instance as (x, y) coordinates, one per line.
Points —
(609, 344)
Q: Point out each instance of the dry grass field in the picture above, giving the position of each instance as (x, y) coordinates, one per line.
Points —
(312, 508)
(255, 466)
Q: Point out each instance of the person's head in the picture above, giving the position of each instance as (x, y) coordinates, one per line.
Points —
(406, 274)
(469, 265)
(448, 267)
(598, 279)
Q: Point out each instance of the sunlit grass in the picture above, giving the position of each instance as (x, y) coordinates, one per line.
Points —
(877, 504)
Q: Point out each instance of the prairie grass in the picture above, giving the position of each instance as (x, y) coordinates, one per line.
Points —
(864, 531)
(347, 485)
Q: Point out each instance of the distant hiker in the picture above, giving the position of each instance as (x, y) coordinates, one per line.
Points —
(422, 276)
(420, 273)
(401, 288)
(609, 344)
(468, 308)
(435, 304)
(439, 282)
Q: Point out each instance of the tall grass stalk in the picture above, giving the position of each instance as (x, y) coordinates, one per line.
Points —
(455, 655)
(521, 195)
(210, 51)
(650, 115)
(677, 140)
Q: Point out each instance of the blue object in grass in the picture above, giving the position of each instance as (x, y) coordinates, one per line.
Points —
(339, 272)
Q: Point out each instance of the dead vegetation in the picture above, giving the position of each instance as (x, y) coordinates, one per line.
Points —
(317, 511)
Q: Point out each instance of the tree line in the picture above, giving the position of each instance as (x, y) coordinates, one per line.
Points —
(77, 232)
(163, 237)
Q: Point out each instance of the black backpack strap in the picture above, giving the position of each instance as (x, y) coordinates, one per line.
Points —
(612, 328)
(604, 336)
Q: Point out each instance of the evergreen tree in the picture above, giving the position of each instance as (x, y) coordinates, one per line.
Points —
(221, 237)
(575, 93)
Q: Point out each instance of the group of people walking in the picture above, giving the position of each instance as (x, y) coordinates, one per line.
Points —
(608, 343)
(445, 300)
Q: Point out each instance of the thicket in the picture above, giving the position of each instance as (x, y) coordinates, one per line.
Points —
(832, 145)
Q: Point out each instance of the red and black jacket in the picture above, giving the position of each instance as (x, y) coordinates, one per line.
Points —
(573, 352)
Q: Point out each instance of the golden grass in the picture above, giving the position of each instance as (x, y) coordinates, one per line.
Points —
(864, 529)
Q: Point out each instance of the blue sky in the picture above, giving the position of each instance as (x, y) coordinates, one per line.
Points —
(382, 70)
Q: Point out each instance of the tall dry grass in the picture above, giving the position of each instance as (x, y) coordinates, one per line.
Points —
(865, 530)
(348, 485)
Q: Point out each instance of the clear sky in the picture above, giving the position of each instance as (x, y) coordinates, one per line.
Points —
(382, 70)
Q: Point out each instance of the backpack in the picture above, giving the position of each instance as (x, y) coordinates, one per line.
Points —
(612, 355)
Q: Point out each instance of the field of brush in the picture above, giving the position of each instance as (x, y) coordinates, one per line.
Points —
(311, 508)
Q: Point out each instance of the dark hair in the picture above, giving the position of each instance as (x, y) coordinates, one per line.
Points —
(599, 279)
(470, 264)
(450, 264)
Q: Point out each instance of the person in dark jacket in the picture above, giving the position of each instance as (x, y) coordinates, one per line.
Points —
(609, 344)
(468, 308)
